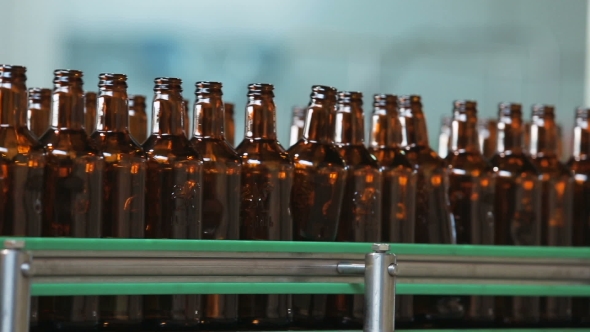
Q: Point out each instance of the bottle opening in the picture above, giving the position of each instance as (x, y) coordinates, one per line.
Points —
(582, 113)
(167, 83)
(383, 100)
(10, 71)
(323, 92)
(67, 76)
(208, 87)
(112, 80)
(345, 97)
(409, 100)
(508, 109)
(464, 105)
(543, 110)
(39, 93)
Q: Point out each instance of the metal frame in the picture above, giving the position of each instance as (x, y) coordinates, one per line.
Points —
(18, 272)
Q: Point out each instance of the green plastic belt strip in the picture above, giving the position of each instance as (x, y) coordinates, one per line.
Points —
(298, 288)
(301, 247)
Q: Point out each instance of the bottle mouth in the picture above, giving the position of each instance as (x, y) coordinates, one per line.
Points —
(112, 80)
(542, 110)
(345, 97)
(582, 112)
(208, 87)
(407, 101)
(67, 76)
(508, 109)
(39, 93)
(259, 89)
(384, 100)
(167, 83)
(465, 105)
(11, 71)
(136, 100)
(323, 92)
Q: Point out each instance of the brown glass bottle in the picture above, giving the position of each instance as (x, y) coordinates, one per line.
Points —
(39, 110)
(138, 124)
(579, 163)
(73, 193)
(90, 112)
(221, 191)
(399, 186)
(434, 220)
(22, 165)
(297, 124)
(185, 117)
(229, 128)
(488, 137)
(318, 186)
(174, 198)
(444, 138)
(267, 177)
(471, 194)
(556, 202)
(360, 219)
(517, 206)
(123, 188)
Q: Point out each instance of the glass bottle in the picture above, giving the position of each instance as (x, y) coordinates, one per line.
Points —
(488, 137)
(38, 111)
(434, 220)
(360, 218)
(138, 124)
(527, 137)
(123, 188)
(444, 138)
(174, 197)
(517, 206)
(90, 112)
(318, 188)
(579, 163)
(229, 128)
(73, 193)
(556, 202)
(221, 190)
(185, 117)
(399, 186)
(267, 177)
(22, 164)
(297, 124)
(471, 193)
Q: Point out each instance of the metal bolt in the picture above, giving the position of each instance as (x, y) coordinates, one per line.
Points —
(14, 244)
(26, 269)
(380, 247)
(392, 270)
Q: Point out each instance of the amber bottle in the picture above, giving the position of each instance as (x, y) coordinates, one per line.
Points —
(185, 117)
(267, 177)
(318, 186)
(517, 207)
(174, 197)
(90, 112)
(123, 188)
(138, 124)
(360, 219)
(471, 193)
(297, 124)
(444, 138)
(221, 190)
(399, 186)
(229, 128)
(579, 163)
(434, 220)
(487, 129)
(39, 110)
(556, 203)
(73, 193)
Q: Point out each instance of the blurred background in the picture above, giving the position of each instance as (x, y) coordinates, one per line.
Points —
(528, 51)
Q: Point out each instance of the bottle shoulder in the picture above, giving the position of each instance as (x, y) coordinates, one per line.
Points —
(579, 165)
(470, 162)
(424, 157)
(266, 150)
(214, 150)
(168, 148)
(391, 157)
(61, 143)
(115, 143)
(514, 163)
(316, 153)
(18, 144)
(357, 155)
(551, 165)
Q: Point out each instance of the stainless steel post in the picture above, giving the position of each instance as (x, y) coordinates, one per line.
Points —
(14, 287)
(379, 290)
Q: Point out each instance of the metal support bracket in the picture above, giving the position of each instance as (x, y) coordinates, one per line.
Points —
(380, 290)
(15, 287)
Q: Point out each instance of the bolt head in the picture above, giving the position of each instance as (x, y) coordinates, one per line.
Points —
(14, 244)
(380, 247)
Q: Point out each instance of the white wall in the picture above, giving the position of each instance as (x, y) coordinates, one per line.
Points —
(488, 50)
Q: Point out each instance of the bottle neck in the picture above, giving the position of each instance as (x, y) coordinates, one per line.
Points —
(13, 103)
(68, 107)
(510, 134)
(260, 117)
(319, 121)
(464, 137)
(543, 136)
(414, 131)
(209, 117)
(167, 113)
(349, 124)
(581, 138)
(113, 111)
(385, 129)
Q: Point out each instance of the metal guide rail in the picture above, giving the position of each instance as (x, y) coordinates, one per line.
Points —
(68, 266)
